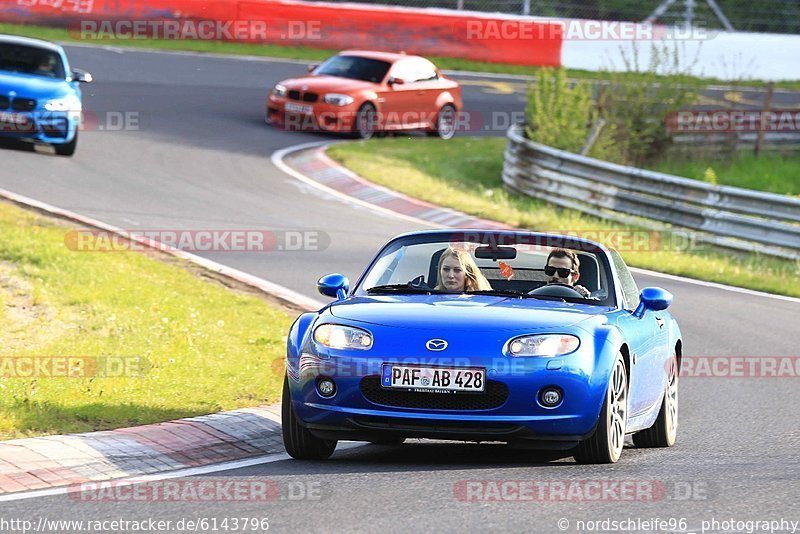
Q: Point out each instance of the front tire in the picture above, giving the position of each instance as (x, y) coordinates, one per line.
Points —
(297, 440)
(365, 122)
(664, 431)
(67, 149)
(606, 444)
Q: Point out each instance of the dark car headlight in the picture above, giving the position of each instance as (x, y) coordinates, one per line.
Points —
(279, 90)
(67, 103)
(336, 336)
(338, 99)
(542, 345)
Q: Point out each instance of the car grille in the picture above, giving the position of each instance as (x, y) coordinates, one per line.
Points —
(305, 97)
(494, 396)
(23, 104)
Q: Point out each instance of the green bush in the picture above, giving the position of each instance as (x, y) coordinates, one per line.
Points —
(557, 113)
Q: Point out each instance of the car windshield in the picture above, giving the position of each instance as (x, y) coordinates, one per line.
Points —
(354, 67)
(514, 265)
(31, 60)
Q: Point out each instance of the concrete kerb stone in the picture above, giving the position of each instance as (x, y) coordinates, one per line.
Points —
(50, 461)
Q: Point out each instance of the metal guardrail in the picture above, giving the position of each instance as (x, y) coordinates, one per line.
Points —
(731, 217)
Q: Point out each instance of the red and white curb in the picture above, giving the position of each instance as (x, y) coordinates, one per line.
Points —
(53, 461)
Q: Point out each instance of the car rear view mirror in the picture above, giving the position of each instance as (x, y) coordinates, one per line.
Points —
(81, 76)
(653, 298)
(334, 285)
(396, 81)
(496, 253)
(312, 67)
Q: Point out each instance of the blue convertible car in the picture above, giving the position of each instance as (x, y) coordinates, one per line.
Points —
(40, 97)
(537, 340)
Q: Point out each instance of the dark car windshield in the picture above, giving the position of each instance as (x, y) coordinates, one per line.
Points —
(31, 60)
(355, 68)
(506, 264)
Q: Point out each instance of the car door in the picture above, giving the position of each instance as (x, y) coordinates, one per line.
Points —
(402, 99)
(428, 87)
(646, 342)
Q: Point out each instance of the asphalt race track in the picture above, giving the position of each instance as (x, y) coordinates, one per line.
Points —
(200, 160)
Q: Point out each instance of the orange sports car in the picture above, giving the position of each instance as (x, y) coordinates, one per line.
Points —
(362, 93)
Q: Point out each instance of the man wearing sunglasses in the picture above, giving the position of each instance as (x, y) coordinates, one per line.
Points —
(563, 267)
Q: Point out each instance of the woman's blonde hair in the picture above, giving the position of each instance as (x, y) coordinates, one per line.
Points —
(474, 279)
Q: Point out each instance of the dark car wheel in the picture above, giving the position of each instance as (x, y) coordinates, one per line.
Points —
(67, 149)
(365, 122)
(297, 440)
(665, 430)
(445, 123)
(606, 444)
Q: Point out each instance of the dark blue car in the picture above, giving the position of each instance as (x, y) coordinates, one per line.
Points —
(547, 344)
(40, 96)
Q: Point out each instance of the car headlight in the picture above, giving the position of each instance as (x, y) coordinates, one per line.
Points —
(68, 103)
(279, 90)
(543, 345)
(337, 99)
(338, 336)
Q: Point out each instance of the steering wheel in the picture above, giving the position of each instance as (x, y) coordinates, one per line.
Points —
(556, 289)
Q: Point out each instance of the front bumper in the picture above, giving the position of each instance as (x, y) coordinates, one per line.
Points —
(518, 419)
(54, 127)
(322, 116)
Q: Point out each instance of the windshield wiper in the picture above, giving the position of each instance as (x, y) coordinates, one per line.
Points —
(401, 288)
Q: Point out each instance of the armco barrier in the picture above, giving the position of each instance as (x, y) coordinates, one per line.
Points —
(727, 216)
(326, 25)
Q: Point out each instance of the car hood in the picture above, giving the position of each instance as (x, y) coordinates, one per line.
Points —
(28, 86)
(328, 84)
(465, 312)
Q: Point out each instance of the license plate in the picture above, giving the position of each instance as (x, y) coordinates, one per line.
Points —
(13, 118)
(433, 379)
(298, 108)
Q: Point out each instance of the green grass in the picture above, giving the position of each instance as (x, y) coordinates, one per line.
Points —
(774, 173)
(464, 174)
(318, 54)
(204, 347)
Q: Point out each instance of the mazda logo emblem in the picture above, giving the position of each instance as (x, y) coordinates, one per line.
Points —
(436, 344)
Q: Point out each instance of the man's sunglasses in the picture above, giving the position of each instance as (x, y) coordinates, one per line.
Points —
(562, 272)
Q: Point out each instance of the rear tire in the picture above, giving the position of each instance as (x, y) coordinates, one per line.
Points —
(445, 123)
(606, 444)
(67, 149)
(297, 440)
(664, 431)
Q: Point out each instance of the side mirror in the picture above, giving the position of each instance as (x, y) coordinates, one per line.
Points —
(396, 81)
(653, 298)
(81, 76)
(334, 285)
(312, 67)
